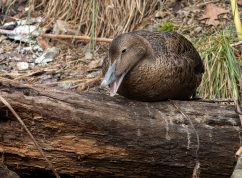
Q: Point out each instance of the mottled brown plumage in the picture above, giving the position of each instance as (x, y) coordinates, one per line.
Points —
(156, 65)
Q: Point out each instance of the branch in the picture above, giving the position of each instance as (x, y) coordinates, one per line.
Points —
(57, 36)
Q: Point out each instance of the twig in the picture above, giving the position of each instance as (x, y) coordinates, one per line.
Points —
(198, 140)
(238, 152)
(84, 38)
(238, 110)
(229, 100)
(205, 3)
(30, 134)
(237, 170)
(236, 44)
(57, 36)
(196, 169)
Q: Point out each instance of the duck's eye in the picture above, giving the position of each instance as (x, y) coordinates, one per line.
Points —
(124, 50)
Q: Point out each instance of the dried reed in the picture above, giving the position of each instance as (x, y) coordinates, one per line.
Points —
(109, 17)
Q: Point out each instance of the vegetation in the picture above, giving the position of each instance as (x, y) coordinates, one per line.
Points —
(167, 26)
(110, 17)
(222, 67)
(100, 18)
(222, 75)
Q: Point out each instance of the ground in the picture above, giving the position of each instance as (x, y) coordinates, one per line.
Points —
(75, 68)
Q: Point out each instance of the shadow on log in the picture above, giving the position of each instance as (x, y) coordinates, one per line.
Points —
(94, 135)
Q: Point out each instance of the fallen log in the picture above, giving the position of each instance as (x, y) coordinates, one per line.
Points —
(94, 135)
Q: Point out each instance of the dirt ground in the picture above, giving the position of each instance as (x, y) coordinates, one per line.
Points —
(75, 68)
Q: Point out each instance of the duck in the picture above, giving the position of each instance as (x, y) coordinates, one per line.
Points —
(152, 66)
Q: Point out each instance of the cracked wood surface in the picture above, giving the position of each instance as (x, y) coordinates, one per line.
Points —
(94, 135)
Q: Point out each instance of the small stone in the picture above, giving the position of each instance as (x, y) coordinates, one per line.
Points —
(2, 38)
(1, 51)
(47, 56)
(198, 29)
(189, 22)
(22, 66)
(88, 55)
(32, 64)
(65, 85)
(93, 74)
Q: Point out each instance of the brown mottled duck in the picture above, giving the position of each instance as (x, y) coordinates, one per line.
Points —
(152, 66)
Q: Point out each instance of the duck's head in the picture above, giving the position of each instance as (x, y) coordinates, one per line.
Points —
(125, 52)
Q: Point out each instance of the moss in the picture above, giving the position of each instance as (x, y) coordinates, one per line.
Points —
(167, 26)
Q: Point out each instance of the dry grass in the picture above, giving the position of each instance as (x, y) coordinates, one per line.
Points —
(110, 17)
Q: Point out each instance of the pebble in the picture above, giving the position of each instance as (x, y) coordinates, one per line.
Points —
(88, 55)
(22, 66)
(198, 29)
(47, 56)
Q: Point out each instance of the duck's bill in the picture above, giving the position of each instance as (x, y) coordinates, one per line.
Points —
(114, 86)
(112, 81)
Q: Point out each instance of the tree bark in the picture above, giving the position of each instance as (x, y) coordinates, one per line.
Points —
(94, 135)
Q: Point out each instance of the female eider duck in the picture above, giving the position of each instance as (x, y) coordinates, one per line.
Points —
(152, 66)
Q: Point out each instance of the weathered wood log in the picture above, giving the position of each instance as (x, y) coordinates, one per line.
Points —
(6, 173)
(94, 135)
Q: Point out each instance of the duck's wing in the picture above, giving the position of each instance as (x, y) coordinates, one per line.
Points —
(179, 45)
(172, 43)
